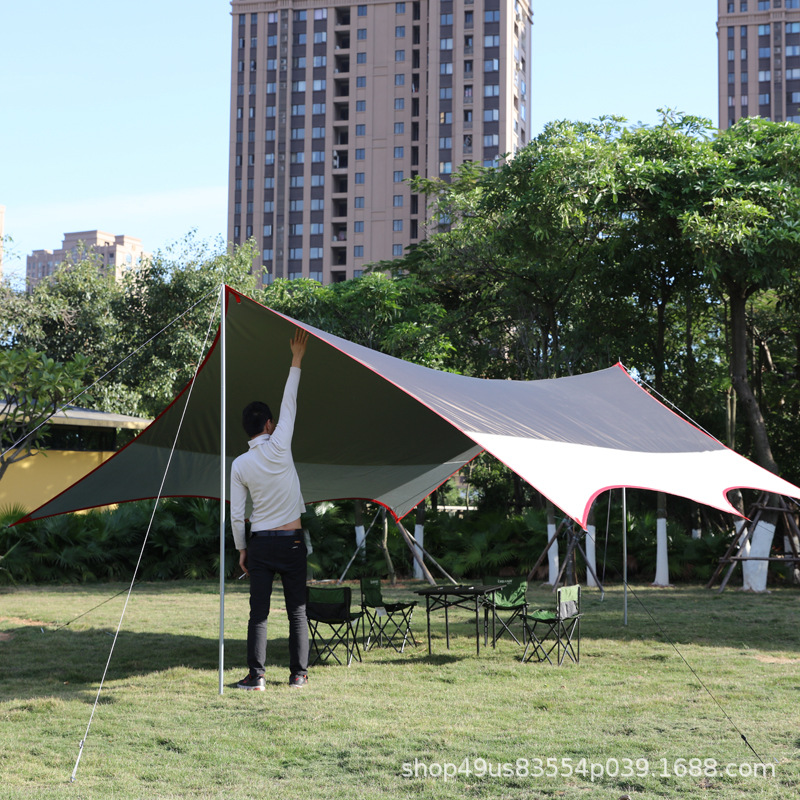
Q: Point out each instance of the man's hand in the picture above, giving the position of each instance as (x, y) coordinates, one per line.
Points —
(243, 562)
(298, 345)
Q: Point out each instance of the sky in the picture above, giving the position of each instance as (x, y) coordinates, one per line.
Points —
(114, 116)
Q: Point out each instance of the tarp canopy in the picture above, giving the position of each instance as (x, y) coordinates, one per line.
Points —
(375, 427)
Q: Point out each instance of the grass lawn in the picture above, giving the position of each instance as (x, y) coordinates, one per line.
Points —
(632, 707)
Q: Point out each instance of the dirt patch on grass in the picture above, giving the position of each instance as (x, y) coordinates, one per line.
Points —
(777, 660)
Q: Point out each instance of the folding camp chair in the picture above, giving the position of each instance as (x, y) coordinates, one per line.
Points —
(389, 623)
(510, 600)
(329, 606)
(555, 630)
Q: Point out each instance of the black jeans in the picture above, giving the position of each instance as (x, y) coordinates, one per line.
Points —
(285, 555)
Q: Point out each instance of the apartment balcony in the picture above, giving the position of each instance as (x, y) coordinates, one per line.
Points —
(339, 159)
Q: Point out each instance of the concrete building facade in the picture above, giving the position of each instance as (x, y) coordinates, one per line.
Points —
(759, 60)
(335, 105)
(115, 253)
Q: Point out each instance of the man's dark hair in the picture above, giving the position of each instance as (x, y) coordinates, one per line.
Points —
(254, 417)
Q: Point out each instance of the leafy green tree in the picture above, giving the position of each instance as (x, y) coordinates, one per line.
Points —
(34, 387)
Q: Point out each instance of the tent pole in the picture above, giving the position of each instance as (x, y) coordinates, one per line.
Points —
(625, 555)
(222, 451)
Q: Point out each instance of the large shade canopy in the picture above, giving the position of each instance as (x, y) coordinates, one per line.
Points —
(375, 427)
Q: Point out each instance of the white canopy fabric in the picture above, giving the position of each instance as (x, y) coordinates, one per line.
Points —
(375, 427)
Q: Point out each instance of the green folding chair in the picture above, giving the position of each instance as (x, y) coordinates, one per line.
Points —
(509, 602)
(558, 630)
(389, 623)
(331, 623)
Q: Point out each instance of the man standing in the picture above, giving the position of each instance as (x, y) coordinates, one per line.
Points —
(277, 545)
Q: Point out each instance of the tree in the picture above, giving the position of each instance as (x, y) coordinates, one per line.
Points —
(34, 387)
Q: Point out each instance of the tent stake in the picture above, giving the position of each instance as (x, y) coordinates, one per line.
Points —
(222, 451)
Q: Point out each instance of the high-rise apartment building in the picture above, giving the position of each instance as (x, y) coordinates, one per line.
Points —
(115, 254)
(335, 105)
(759, 60)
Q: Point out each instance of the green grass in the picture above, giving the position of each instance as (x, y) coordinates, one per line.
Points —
(161, 730)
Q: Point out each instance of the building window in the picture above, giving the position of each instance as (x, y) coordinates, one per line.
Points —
(763, 99)
(360, 177)
(319, 85)
(398, 176)
(358, 226)
(399, 55)
(491, 90)
(491, 114)
(298, 158)
(399, 103)
(362, 11)
(763, 30)
(491, 140)
(320, 61)
(317, 180)
(318, 156)
(445, 44)
(321, 13)
(320, 37)
(446, 93)
(361, 81)
(296, 229)
(445, 142)
(398, 152)
(445, 167)
(793, 27)
(446, 68)
(269, 206)
(400, 31)
(298, 133)
(397, 249)
(764, 52)
(397, 225)
(295, 205)
(315, 252)
(360, 153)
(298, 86)
(295, 253)
(445, 19)
(299, 38)
(268, 230)
(269, 183)
(491, 65)
(361, 105)
(399, 79)
(361, 34)
(492, 41)
(269, 158)
(298, 110)
(359, 202)
(317, 204)
(765, 75)
(397, 201)
(358, 251)
(445, 117)
(361, 129)
(399, 127)
(491, 16)
(399, 8)
(361, 58)
(296, 181)
(299, 16)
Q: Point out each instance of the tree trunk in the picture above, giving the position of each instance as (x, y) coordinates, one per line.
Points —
(662, 559)
(385, 547)
(741, 384)
(360, 534)
(754, 572)
(419, 536)
(552, 553)
(591, 558)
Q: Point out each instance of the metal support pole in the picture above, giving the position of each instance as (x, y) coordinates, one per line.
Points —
(625, 554)
(222, 494)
